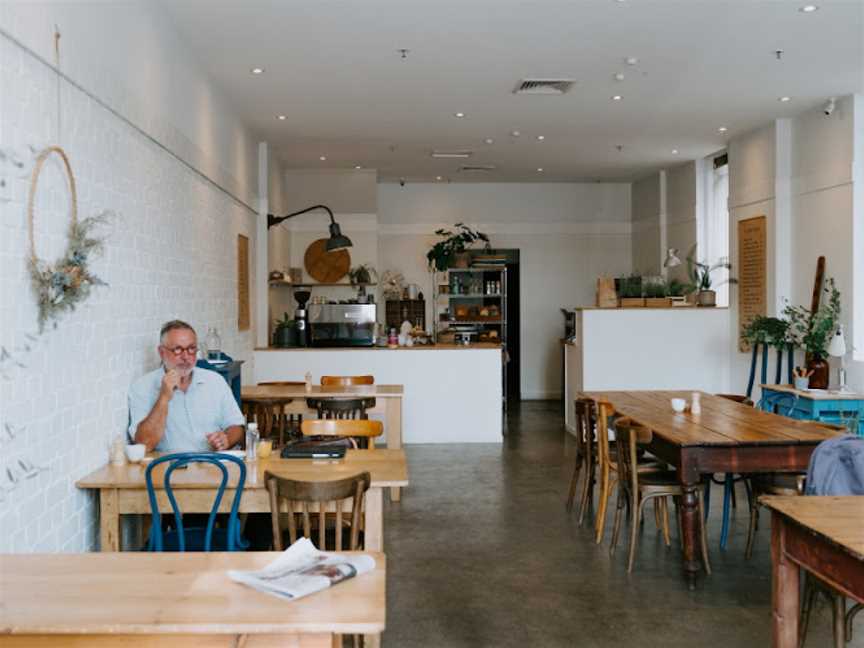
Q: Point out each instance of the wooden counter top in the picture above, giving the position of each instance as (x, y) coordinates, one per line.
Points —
(417, 347)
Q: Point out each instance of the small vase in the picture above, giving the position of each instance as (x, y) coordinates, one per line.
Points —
(821, 373)
(706, 298)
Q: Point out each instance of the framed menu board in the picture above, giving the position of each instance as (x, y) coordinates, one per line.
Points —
(243, 318)
(752, 268)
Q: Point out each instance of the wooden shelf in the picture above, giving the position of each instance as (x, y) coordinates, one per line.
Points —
(470, 296)
(282, 282)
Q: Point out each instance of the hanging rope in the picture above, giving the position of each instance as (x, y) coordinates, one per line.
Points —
(57, 69)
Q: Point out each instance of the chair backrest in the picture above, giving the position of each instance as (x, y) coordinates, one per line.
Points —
(350, 428)
(585, 420)
(341, 408)
(627, 433)
(738, 398)
(346, 381)
(294, 497)
(181, 460)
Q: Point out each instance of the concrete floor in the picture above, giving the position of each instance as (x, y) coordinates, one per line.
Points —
(481, 552)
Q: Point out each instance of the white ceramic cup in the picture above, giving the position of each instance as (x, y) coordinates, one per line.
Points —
(678, 404)
(136, 452)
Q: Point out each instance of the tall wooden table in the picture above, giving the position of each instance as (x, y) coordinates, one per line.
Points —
(122, 489)
(825, 536)
(96, 600)
(388, 401)
(726, 437)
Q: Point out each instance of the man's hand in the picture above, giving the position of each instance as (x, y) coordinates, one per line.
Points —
(170, 382)
(218, 441)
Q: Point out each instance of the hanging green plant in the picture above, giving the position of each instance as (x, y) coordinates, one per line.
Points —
(772, 331)
(62, 285)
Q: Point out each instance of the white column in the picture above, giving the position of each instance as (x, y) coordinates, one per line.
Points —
(783, 253)
(261, 249)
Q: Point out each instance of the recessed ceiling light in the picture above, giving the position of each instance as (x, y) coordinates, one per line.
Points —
(619, 76)
(540, 138)
(515, 133)
(489, 140)
(808, 8)
(617, 97)
(439, 178)
(460, 115)
(323, 158)
(674, 151)
(722, 129)
(451, 154)
(358, 166)
(631, 60)
(539, 169)
(281, 117)
(784, 99)
(257, 70)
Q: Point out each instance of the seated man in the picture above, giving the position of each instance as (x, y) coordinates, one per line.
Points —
(180, 407)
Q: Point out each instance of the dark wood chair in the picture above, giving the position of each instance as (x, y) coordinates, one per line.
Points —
(346, 381)
(269, 414)
(353, 429)
(638, 487)
(341, 408)
(728, 481)
(586, 455)
(299, 500)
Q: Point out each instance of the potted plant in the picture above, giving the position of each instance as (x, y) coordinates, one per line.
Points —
(630, 291)
(362, 274)
(656, 292)
(451, 251)
(700, 278)
(812, 332)
(284, 333)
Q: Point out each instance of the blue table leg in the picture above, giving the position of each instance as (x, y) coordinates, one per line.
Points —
(728, 485)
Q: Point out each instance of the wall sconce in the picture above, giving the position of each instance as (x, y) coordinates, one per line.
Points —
(338, 241)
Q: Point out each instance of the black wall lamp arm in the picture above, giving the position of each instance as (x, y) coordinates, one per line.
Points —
(275, 220)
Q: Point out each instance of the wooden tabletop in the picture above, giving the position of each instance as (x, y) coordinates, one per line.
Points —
(822, 394)
(162, 593)
(387, 468)
(319, 391)
(839, 520)
(721, 422)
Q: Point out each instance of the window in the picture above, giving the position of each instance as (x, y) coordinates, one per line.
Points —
(713, 224)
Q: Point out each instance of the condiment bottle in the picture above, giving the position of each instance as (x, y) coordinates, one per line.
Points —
(308, 381)
(252, 442)
(393, 339)
(695, 404)
(118, 451)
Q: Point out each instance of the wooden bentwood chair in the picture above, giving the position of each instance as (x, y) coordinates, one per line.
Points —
(586, 455)
(271, 414)
(345, 428)
(292, 499)
(638, 487)
(346, 381)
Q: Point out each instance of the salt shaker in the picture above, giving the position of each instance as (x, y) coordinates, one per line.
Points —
(252, 442)
(308, 381)
(118, 451)
(696, 405)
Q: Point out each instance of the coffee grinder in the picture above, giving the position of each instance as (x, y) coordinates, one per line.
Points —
(301, 317)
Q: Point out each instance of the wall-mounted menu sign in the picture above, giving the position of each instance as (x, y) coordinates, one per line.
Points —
(243, 283)
(752, 268)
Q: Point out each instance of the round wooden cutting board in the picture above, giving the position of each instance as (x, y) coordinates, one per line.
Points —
(324, 266)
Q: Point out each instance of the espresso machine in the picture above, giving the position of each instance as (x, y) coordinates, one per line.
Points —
(301, 317)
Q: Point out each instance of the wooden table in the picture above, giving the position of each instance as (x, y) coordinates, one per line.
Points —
(726, 437)
(825, 536)
(388, 401)
(122, 489)
(95, 600)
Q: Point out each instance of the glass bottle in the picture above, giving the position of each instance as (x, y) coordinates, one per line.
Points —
(214, 345)
(252, 441)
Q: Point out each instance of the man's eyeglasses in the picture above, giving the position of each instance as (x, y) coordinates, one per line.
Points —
(178, 351)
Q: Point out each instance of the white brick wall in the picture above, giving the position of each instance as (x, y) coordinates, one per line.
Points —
(171, 252)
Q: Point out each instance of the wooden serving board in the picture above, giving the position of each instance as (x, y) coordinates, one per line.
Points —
(324, 266)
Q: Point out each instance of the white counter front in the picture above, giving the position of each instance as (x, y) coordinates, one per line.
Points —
(452, 395)
(647, 348)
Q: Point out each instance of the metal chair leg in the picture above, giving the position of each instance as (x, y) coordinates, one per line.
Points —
(728, 490)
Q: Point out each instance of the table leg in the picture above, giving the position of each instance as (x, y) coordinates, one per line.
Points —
(109, 520)
(691, 532)
(374, 520)
(393, 423)
(784, 590)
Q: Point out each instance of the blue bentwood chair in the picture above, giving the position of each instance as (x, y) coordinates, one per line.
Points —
(206, 538)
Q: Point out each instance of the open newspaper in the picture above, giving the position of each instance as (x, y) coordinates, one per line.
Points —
(302, 570)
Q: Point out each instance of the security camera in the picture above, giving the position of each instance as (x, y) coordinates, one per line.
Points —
(829, 106)
(402, 180)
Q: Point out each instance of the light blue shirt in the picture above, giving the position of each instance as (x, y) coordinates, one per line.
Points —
(207, 406)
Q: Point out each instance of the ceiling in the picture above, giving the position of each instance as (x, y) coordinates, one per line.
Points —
(332, 68)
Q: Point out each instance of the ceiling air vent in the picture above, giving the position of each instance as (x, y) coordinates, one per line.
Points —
(544, 86)
(477, 167)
